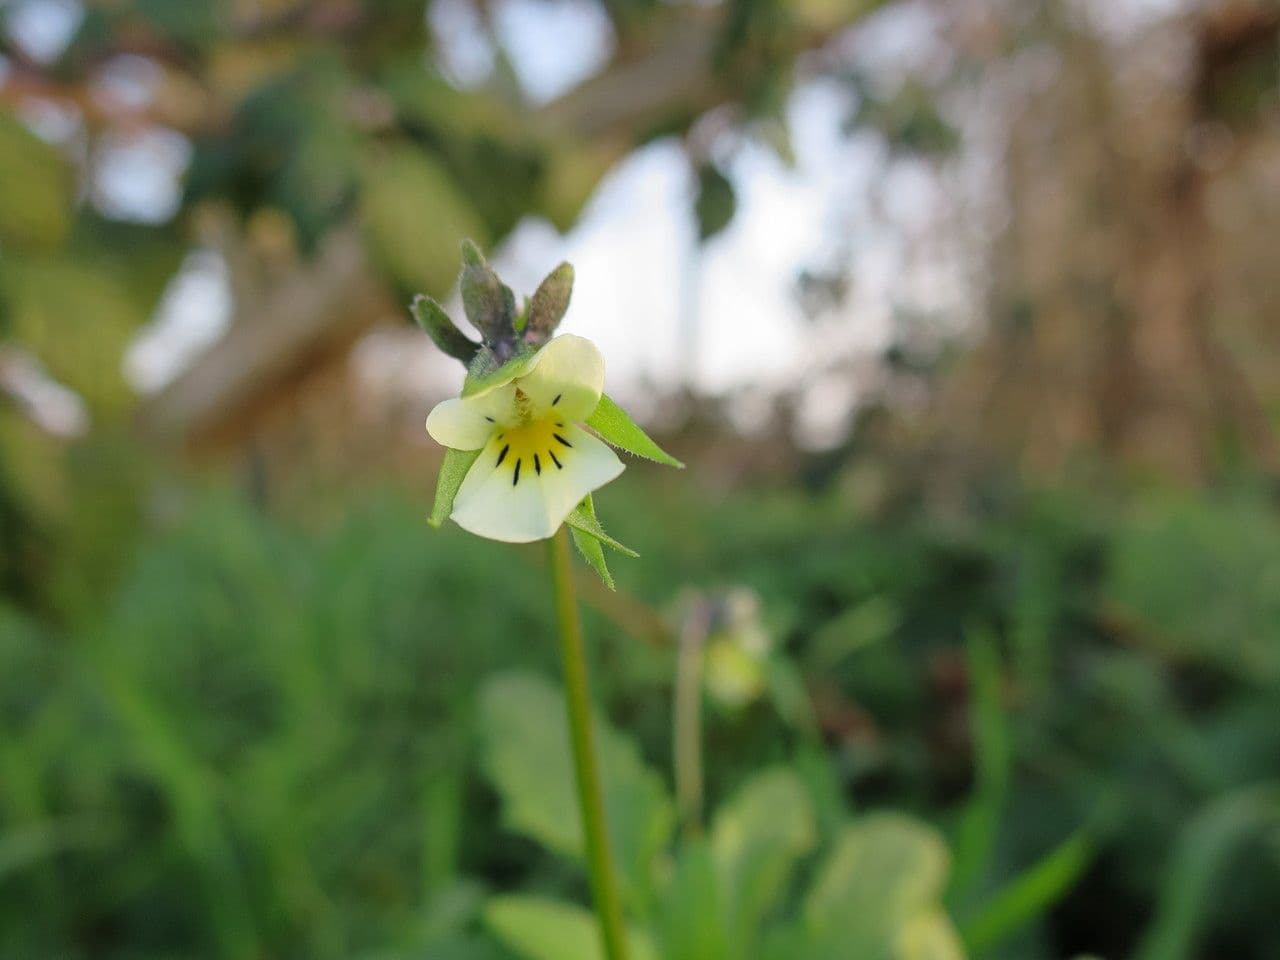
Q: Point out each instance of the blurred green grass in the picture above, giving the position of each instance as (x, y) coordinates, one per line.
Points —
(262, 739)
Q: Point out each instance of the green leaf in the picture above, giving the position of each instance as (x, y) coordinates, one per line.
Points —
(929, 935)
(716, 202)
(431, 317)
(453, 470)
(415, 215)
(756, 841)
(525, 754)
(616, 427)
(593, 553)
(77, 317)
(37, 189)
(583, 520)
(980, 822)
(489, 303)
(691, 920)
(1029, 894)
(1197, 866)
(539, 928)
(549, 303)
(880, 890)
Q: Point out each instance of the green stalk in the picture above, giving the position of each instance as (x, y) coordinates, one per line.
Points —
(686, 724)
(604, 888)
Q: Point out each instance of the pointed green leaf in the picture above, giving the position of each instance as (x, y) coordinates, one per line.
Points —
(489, 303)
(589, 546)
(583, 520)
(588, 543)
(431, 317)
(593, 553)
(616, 427)
(549, 303)
(1030, 894)
(453, 470)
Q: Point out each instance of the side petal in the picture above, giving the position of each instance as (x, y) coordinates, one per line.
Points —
(497, 502)
(567, 375)
(466, 423)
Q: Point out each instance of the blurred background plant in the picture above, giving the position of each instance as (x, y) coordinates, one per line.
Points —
(961, 315)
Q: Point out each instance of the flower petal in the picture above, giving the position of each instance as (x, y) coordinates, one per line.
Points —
(567, 374)
(466, 423)
(497, 502)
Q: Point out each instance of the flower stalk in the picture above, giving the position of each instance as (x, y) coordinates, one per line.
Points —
(604, 887)
(686, 724)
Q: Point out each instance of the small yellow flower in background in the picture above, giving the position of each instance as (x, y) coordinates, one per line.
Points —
(529, 439)
(536, 461)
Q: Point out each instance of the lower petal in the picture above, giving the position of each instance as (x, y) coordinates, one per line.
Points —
(528, 498)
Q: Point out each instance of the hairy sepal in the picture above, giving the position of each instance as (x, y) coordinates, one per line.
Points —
(548, 305)
(453, 470)
(435, 322)
(583, 519)
(488, 370)
(489, 303)
(588, 544)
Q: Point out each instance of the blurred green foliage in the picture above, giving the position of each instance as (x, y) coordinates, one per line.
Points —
(269, 739)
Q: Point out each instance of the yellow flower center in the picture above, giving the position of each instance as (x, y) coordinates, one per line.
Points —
(533, 446)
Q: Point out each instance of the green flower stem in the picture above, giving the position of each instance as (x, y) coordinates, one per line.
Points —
(604, 887)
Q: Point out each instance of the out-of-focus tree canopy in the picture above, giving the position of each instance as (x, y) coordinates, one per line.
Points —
(324, 140)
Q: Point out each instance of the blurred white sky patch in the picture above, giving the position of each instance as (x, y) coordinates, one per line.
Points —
(41, 28)
(552, 45)
(637, 261)
(462, 48)
(1123, 21)
(127, 82)
(138, 176)
(193, 313)
(50, 406)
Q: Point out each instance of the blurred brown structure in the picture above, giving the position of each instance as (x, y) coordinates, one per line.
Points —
(1134, 290)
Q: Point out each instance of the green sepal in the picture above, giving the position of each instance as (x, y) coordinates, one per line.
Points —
(616, 427)
(548, 305)
(583, 520)
(589, 546)
(431, 317)
(487, 371)
(489, 303)
(453, 469)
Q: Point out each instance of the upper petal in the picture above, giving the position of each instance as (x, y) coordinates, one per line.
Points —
(466, 423)
(567, 374)
(496, 502)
